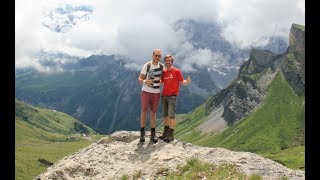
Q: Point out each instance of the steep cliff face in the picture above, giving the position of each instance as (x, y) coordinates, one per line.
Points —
(248, 90)
(293, 65)
(297, 39)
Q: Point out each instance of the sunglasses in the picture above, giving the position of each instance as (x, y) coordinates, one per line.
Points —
(156, 55)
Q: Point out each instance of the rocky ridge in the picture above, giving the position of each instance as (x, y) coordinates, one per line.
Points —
(248, 90)
(122, 154)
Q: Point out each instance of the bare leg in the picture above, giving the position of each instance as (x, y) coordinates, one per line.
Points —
(172, 123)
(143, 117)
(166, 121)
(152, 119)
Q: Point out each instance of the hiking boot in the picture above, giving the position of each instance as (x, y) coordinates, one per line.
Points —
(169, 136)
(142, 134)
(164, 133)
(153, 136)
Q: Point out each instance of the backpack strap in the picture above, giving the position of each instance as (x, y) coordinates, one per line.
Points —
(161, 66)
(149, 64)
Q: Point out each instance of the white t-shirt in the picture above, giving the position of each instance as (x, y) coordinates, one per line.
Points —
(154, 73)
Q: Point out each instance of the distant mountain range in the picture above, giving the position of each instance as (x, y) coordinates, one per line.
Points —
(103, 94)
(100, 92)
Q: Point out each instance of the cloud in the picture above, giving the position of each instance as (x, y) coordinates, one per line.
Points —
(64, 18)
(133, 29)
(188, 55)
(132, 66)
(249, 23)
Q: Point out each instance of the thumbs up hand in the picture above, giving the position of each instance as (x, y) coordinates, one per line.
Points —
(189, 80)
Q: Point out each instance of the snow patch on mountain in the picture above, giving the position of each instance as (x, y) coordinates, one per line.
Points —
(62, 19)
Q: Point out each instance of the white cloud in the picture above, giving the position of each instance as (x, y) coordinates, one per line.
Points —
(134, 28)
(249, 22)
(133, 66)
(188, 55)
(301, 5)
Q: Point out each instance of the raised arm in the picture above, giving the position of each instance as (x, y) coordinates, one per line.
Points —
(186, 81)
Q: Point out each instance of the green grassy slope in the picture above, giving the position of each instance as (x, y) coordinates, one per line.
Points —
(186, 125)
(42, 137)
(273, 129)
(195, 168)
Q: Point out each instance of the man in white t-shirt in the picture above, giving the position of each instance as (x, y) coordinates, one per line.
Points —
(150, 76)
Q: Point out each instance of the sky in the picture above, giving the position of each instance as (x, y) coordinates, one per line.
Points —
(134, 28)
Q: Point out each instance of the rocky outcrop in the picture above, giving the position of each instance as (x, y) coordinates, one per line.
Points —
(259, 60)
(248, 90)
(122, 154)
(293, 65)
(297, 39)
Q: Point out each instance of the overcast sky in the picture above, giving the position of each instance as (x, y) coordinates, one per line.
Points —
(133, 28)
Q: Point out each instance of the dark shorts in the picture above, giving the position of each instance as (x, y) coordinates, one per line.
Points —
(169, 106)
(150, 100)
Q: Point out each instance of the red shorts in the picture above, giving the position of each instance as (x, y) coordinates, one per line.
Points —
(150, 100)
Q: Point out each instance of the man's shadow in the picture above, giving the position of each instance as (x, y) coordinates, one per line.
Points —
(144, 150)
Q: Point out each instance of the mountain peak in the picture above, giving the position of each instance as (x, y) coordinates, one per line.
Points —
(122, 154)
(298, 26)
(293, 66)
(259, 60)
(297, 38)
(249, 89)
